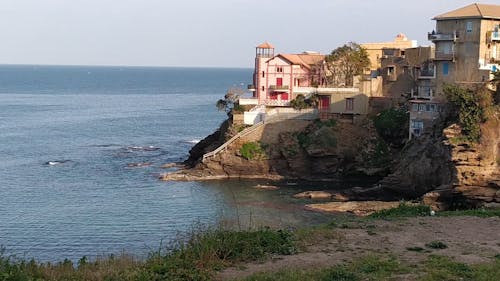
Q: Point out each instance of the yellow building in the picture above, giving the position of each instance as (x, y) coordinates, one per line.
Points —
(376, 51)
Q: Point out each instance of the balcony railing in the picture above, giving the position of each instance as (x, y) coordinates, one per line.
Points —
(282, 88)
(432, 36)
(444, 56)
(492, 57)
(427, 74)
(277, 102)
(423, 92)
(495, 36)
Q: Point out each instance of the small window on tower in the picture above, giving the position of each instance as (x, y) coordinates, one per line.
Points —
(263, 74)
(279, 69)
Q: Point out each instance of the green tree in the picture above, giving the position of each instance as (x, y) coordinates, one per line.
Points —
(230, 100)
(346, 62)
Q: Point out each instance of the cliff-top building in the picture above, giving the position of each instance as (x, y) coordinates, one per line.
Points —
(280, 78)
(467, 51)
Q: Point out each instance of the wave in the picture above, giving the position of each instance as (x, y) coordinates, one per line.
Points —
(143, 148)
(56, 162)
(193, 141)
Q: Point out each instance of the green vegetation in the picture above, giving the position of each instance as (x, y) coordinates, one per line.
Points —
(346, 62)
(252, 151)
(404, 210)
(436, 245)
(195, 259)
(470, 109)
(301, 102)
(483, 213)
(230, 101)
(392, 125)
(435, 268)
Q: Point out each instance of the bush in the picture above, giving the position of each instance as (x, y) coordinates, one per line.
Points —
(436, 245)
(392, 125)
(469, 109)
(252, 150)
(402, 211)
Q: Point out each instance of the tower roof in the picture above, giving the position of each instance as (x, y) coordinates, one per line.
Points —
(472, 11)
(265, 45)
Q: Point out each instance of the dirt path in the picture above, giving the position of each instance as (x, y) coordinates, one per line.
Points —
(469, 240)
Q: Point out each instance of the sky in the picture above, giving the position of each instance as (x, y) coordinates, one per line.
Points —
(201, 33)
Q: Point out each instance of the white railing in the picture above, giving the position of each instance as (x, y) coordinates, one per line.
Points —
(241, 134)
(250, 101)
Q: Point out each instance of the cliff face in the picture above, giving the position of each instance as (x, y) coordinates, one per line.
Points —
(296, 149)
(453, 171)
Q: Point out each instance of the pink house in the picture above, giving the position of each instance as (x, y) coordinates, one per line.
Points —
(278, 79)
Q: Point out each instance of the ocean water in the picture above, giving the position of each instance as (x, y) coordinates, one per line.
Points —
(68, 139)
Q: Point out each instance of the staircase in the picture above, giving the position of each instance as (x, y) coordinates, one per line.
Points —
(223, 147)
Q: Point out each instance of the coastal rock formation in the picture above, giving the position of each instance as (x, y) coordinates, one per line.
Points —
(291, 149)
(362, 208)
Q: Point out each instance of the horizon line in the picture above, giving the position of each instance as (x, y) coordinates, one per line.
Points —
(125, 66)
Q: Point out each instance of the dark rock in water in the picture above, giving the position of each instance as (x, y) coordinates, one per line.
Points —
(139, 165)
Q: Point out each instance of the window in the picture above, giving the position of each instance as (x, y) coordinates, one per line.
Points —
(390, 70)
(263, 89)
(446, 69)
(279, 69)
(427, 107)
(433, 108)
(263, 74)
(415, 124)
(468, 27)
(349, 104)
(414, 107)
(279, 82)
(421, 107)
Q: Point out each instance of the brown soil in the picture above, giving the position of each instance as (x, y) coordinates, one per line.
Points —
(469, 240)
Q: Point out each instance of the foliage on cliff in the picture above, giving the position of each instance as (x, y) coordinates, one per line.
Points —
(252, 151)
(392, 125)
(470, 109)
(229, 102)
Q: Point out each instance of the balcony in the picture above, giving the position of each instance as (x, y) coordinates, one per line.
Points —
(282, 88)
(423, 92)
(432, 36)
(427, 73)
(251, 88)
(442, 56)
(495, 36)
(492, 57)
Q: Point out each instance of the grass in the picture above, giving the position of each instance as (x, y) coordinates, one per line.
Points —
(196, 258)
(252, 150)
(483, 213)
(435, 268)
(404, 210)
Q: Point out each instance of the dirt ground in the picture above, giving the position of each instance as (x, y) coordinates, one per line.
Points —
(469, 239)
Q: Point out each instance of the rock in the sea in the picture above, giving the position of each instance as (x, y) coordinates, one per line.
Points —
(359, 208)
(266, 187)
(314, 195)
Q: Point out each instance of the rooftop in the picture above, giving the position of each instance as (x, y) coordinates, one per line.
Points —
(475, 10)
(306, 59)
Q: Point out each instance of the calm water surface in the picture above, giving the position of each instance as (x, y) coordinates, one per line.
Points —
(90, 123)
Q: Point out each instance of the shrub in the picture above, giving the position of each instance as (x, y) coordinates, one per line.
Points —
(469, 108)
(436, 245)
(252, 150)
(403, 210)
(392, 125)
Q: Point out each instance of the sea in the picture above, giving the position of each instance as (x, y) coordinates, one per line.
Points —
(71, 138)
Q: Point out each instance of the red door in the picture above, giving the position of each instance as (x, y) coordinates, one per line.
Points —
(284, 96)
(279, 82)
(324, 103)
